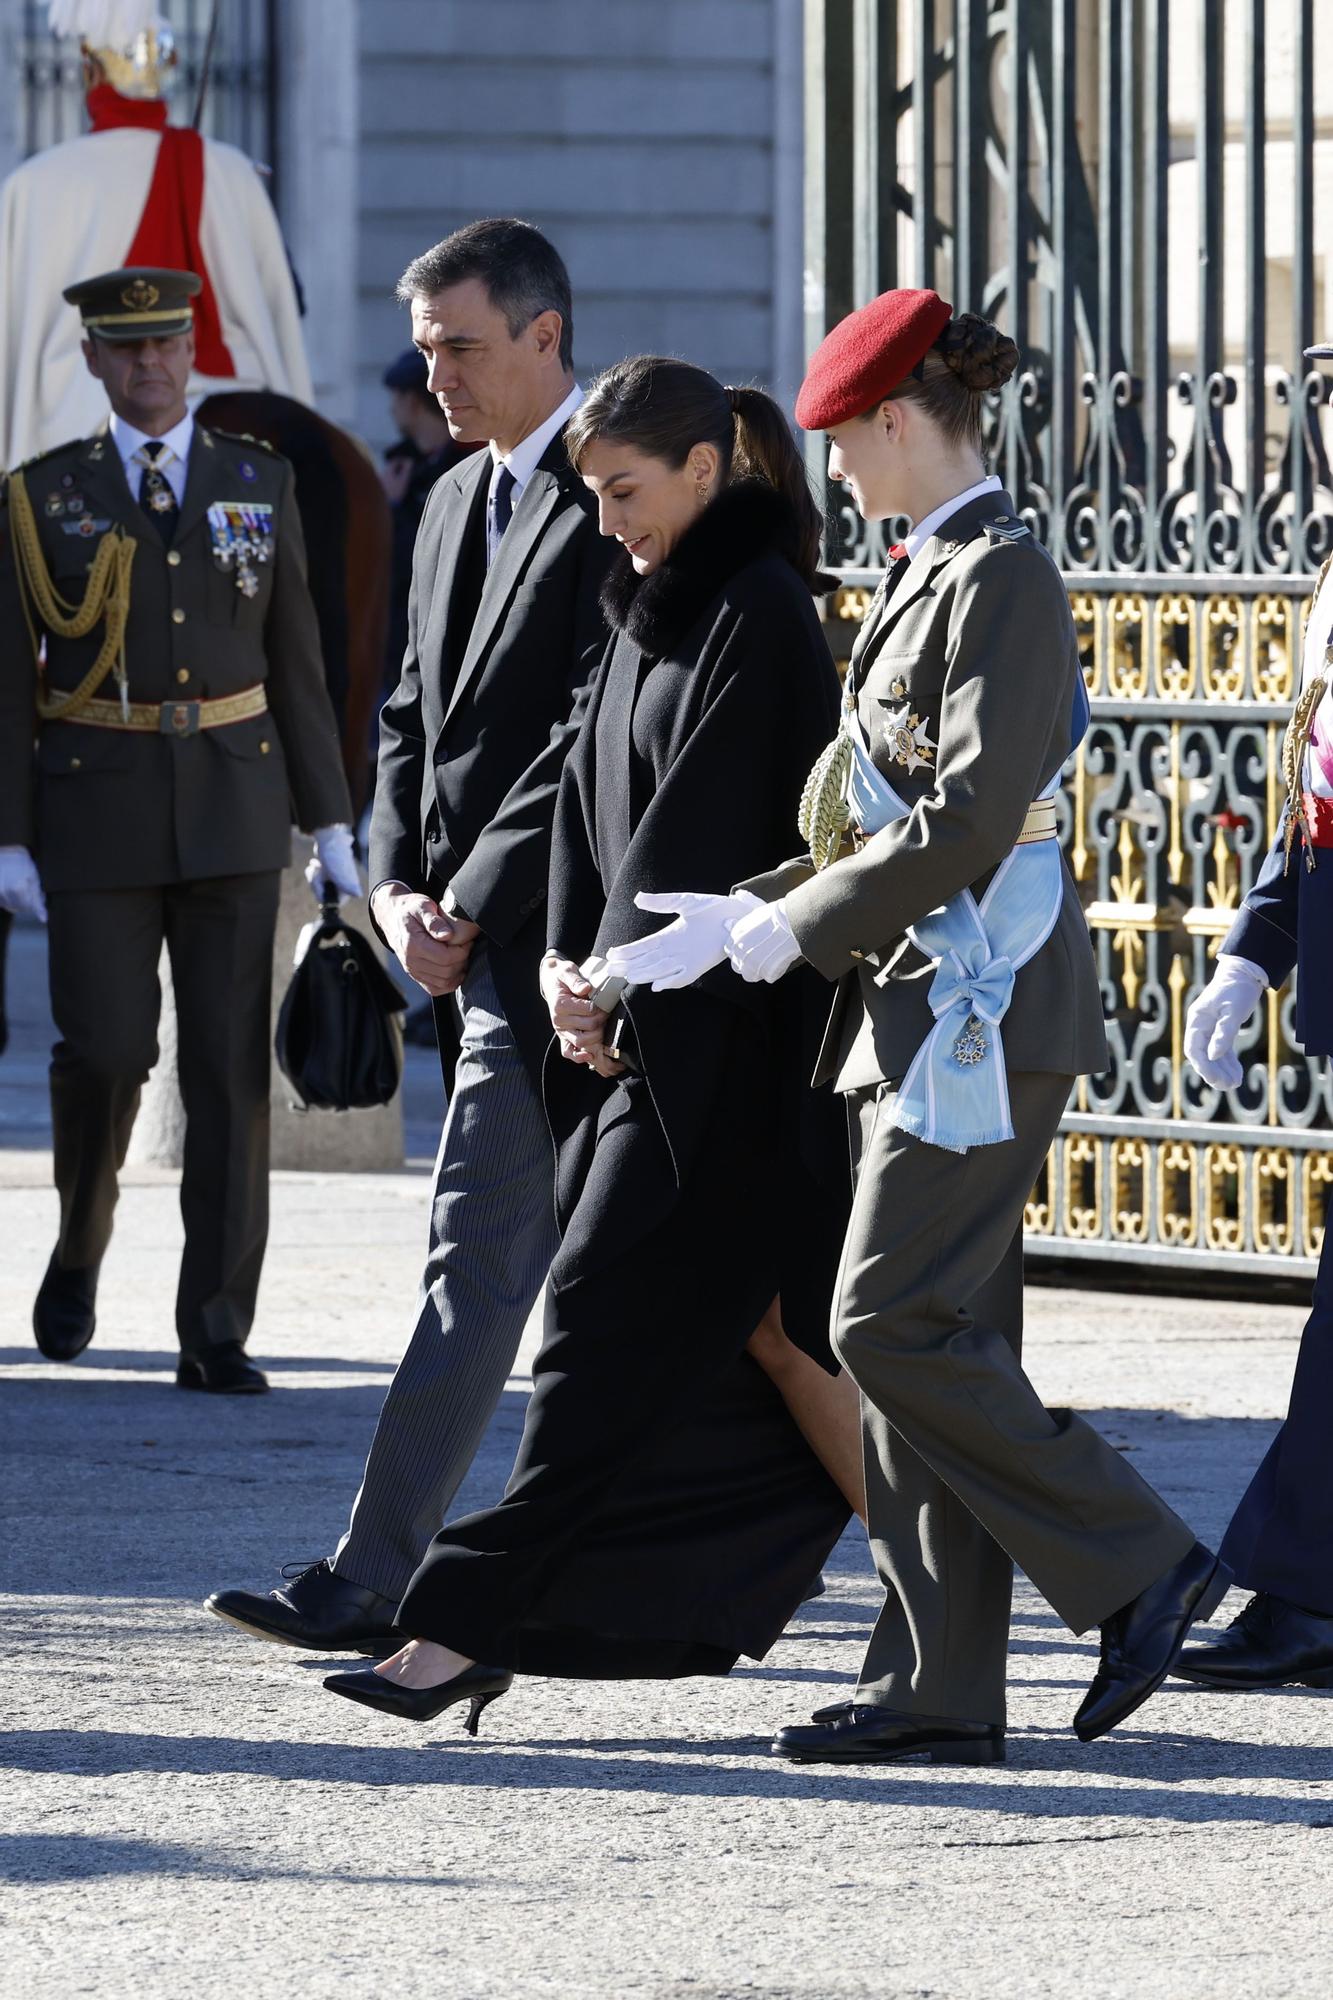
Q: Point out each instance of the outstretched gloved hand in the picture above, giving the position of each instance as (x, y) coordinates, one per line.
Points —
(684, 950)
(333, 861)
(20, 884)
(1217, 1017)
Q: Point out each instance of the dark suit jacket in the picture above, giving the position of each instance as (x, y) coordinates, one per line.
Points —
(109, 809)
(473, 740)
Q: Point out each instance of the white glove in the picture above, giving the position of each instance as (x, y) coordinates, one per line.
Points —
(685, 950)
(334, 860)
(1217, 1017)
(20, 884)
(761, 946)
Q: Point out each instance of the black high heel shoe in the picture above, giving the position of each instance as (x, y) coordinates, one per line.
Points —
(477, 1684)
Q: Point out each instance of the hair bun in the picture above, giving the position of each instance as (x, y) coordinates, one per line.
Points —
(979, 354)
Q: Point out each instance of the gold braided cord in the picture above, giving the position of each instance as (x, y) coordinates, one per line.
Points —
(823, 814)
(1294, 745)
(107, 596)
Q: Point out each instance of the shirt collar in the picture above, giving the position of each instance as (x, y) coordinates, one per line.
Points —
(127, 440)
(528, 453)
(920, 533)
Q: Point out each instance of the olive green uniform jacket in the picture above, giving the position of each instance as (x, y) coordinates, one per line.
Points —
(965, 680)
(110, 809)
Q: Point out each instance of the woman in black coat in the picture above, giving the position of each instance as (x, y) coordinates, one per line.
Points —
(665, 1514)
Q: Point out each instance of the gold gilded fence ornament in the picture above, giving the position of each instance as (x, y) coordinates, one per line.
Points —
(1167, 813)
(1171, 804)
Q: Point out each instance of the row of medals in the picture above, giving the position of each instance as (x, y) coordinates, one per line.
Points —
(240, 542)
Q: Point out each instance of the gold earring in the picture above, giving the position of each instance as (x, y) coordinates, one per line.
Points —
(701, 485)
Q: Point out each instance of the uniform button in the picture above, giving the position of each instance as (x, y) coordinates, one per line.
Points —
(182, 675)
(76, 763)
(263, 748)
(178, 616)
(174, 558)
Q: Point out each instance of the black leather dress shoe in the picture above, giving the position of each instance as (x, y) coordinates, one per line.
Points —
(1142, 1643)
(1271, 1644)
(65, 1311)
(478, 1686)
(859, 1733)
(316, 1609)
(224, 1370)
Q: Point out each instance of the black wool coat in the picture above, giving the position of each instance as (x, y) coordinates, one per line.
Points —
(715, 697)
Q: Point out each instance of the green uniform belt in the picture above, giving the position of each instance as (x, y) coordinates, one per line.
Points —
(172, 718)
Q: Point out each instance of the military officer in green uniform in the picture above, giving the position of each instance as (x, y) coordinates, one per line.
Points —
(163, 720)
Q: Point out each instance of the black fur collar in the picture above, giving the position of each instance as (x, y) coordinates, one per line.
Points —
(744, 521)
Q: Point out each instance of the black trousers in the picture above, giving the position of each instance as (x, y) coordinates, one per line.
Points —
(105, 945)
(1281, 1537)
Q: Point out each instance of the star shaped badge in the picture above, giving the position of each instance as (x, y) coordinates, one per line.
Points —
(908, 740)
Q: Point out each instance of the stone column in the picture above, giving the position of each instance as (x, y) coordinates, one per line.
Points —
(318, 128)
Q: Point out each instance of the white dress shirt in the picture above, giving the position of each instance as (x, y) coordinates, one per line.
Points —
(920, 533)
(173, 462)
(526, 455)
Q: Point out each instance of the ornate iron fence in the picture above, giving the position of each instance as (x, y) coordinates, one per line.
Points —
(1030, 159)
(239, 102)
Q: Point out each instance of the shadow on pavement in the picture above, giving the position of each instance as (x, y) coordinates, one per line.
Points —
(107, 1360)
(81, 1857)
(579, 1764)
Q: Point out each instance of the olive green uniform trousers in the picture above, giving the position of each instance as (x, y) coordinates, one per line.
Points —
(967, 1472)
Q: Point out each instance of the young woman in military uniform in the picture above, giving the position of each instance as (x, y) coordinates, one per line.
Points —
(966, 1004)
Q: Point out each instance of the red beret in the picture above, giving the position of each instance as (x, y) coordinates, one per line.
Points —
(868, 355)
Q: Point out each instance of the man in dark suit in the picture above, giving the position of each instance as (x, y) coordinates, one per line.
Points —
(505, 629)
(181, 721)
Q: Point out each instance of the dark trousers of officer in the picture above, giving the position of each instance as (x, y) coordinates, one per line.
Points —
(1281, 1539)
(105, 945)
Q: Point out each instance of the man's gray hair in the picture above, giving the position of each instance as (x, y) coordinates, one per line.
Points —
(524, 275)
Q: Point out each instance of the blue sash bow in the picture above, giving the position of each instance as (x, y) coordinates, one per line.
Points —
(955, 1093)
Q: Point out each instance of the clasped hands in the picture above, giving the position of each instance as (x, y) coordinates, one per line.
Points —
(432, 948)
(579, 1023)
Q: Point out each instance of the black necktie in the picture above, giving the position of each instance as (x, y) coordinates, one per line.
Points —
(155, 494)
(501, 512)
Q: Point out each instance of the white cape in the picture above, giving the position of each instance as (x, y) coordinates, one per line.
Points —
(72, 212)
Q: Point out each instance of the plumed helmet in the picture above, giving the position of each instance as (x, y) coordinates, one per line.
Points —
(130, 39)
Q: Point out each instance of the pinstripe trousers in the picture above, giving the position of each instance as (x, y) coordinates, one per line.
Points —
(492, 1238)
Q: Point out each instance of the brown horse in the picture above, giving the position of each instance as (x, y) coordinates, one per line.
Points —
(348, 535)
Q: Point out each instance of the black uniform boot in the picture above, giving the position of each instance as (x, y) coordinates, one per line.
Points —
(64, 1314)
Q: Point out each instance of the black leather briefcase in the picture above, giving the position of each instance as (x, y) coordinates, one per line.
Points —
(339, 1039)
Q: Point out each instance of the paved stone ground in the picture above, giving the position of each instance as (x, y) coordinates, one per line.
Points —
(186, 1812)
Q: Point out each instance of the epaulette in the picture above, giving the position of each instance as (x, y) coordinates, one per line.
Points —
(40, 457)
(243, 437)
(1005, 528)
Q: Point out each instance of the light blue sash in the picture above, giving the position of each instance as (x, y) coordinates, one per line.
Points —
(955, 1093)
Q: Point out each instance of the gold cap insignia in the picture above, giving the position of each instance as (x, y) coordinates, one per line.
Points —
(140, 296)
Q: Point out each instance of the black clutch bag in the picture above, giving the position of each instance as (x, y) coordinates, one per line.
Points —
(339, 1039)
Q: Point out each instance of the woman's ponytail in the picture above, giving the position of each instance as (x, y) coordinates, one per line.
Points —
(765, 449)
